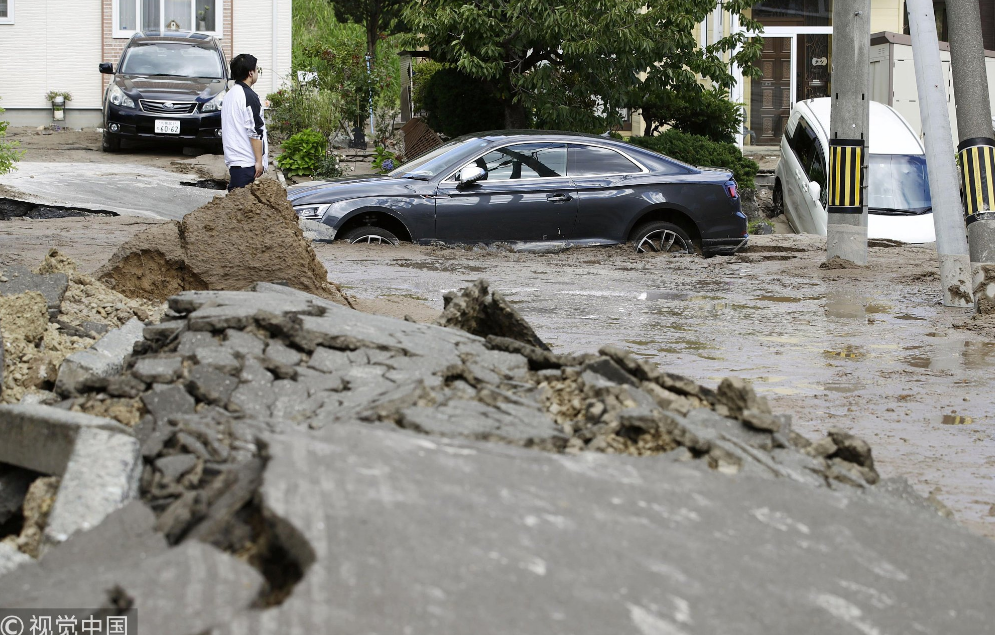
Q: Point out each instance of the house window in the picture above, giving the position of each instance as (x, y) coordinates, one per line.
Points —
(164, 16)
(6, 11)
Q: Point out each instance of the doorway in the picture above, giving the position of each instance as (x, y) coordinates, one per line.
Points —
(771, 93)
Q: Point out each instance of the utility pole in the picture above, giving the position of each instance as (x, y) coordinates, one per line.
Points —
(846, 230)
(976, 148)
(951, 239)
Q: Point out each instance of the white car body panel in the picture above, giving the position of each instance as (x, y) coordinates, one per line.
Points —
(889, 134)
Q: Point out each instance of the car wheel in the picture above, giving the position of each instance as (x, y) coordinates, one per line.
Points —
(110, 143)
(371, 235)
(777, 208)
(662, 237)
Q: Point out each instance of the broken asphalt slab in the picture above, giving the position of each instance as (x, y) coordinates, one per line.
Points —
(447, 536)
(123, 188)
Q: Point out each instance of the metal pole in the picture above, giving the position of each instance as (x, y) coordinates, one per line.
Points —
(846, 230)
(976, 147)
(951, 241)
(373, 133)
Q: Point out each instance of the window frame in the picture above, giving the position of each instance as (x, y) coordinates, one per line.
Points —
(642, 168)
(119, 33)
(9, 18)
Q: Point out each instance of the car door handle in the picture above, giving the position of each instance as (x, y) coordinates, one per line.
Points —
(558, 198)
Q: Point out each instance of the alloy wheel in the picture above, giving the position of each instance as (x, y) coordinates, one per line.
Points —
(662, 240)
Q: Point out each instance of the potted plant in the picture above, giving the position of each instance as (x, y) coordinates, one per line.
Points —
(202, 18)
(58, 99)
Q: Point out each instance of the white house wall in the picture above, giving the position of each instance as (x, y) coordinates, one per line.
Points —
(52, 45)
(254, 34)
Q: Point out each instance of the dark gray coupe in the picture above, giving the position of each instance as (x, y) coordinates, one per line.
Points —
(514, 186)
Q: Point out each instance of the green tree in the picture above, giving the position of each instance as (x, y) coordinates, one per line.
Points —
(575, 66)
(379, 18)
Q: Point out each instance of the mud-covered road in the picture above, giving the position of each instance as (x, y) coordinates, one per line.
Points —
(871, 350)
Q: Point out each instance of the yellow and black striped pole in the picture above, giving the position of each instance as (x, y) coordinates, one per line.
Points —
(977, 171)
(846, 160)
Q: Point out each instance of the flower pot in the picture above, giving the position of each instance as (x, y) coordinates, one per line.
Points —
(201, 25)
(59, 114)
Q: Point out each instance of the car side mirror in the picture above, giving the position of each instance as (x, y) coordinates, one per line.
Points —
(106, 68)
(470, 175)
(815, 190)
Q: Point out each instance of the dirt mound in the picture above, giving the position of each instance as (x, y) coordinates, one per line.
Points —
(35, 346)
(839, 263)
(251, 235)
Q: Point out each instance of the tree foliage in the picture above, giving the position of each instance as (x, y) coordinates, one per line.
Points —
(336, 52)
(379, 18)
(702, 111)
(457, 104)
(574, 66)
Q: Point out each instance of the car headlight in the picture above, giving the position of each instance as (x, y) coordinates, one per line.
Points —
(118, 98)
(215, 104)
(311, 212)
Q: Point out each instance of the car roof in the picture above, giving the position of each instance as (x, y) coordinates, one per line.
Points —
(182, 37)
(889, 132)
(494, 135)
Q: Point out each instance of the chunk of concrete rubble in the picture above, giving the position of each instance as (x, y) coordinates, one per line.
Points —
(481, 312)
(11, 557)
(16, 279)
(316, 232)
(124, 555)
(103, 359)
(97, 459)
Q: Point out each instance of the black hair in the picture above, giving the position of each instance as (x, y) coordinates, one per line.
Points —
(241, 65)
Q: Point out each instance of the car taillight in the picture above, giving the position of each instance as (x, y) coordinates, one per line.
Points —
(731, 189)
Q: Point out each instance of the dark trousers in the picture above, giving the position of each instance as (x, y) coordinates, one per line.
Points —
(240, 177)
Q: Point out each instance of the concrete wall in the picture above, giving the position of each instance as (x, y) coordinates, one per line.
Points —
(52, 45)
(254, 33)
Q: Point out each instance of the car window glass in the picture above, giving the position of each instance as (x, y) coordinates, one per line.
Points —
(171, 59)
(817, 171)
(524, 161)
(584, 160)
(441, 159)
(897, 182)
(803, 143)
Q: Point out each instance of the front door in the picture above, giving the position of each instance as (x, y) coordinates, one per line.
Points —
(771, 94)
(525, 196)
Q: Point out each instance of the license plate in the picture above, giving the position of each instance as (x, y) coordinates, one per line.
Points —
(167, 126)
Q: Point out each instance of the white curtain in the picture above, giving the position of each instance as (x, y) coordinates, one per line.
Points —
(178, 16)
(127, 16)
(150, 15)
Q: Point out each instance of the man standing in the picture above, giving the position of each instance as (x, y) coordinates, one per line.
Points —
(243, 131)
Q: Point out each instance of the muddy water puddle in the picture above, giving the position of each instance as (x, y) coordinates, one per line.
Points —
(879, 359)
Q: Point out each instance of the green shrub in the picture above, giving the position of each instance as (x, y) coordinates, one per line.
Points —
(702, 151)
(328, 167)
(705, 112)
(303, 153)
(458, 104)
(300, 107)
(9, 154)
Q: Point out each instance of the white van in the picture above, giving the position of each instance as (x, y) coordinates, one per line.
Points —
(898, 200)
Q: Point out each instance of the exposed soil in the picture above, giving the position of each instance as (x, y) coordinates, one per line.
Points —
(251, 235)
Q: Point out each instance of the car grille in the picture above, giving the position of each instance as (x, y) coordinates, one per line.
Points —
(175, 108)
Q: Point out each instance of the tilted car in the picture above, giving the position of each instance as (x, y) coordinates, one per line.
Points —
(898, 199)
(166, 88)
(523, 186)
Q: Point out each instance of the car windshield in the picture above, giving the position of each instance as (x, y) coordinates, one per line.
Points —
(446, 157)
(172, 59)
(897, 182)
